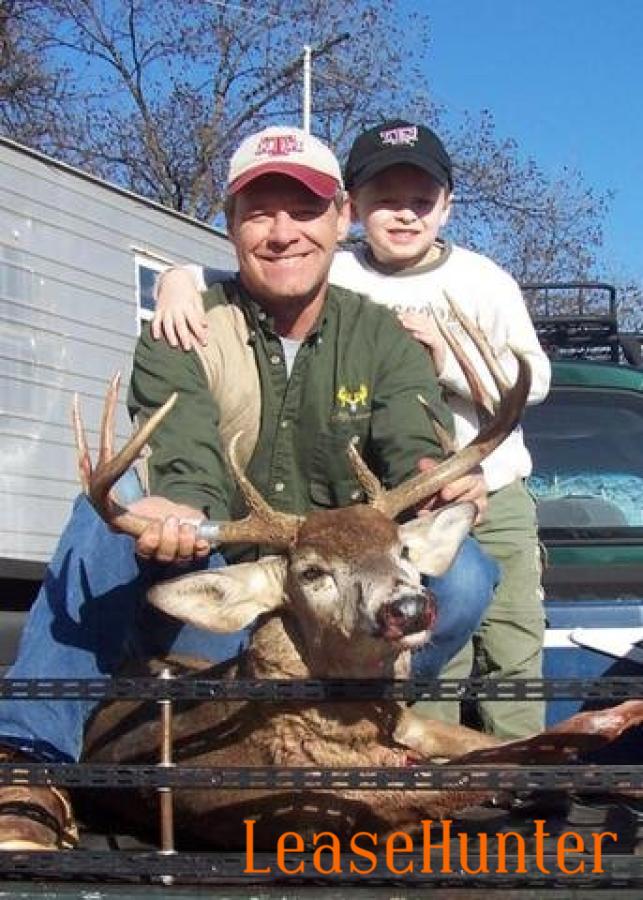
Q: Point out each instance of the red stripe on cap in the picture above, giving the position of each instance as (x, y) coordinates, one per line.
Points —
(318, 182)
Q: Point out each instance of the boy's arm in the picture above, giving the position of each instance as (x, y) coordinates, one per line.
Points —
(179, 316)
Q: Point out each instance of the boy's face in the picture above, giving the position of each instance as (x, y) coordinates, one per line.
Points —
(402, 210)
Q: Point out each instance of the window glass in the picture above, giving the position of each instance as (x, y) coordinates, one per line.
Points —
(587, 448)
(146, 279)
(147, 270)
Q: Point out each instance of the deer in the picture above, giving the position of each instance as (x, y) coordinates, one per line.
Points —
(340, 595)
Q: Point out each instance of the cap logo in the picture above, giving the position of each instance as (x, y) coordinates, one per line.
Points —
(407, 134)
(279, 145)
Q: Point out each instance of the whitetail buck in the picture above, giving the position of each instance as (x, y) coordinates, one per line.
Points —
(342, 597)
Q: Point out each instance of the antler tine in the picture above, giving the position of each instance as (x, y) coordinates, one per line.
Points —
(106, 445)
(446, 441)
(427, 484)
(263, 524)
(97, 483)
(83, 458)
(369, 482)
(479, 394)
(483, 346)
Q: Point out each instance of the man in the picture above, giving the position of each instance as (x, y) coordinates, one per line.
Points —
(303, 369)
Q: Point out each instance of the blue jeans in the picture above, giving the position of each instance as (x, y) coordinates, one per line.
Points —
(462, 596)
(90, 615)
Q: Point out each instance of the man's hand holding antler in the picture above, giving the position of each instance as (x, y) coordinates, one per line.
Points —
(171, 535)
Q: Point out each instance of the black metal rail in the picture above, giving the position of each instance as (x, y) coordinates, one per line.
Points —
(230, 868)
(582, 778)
(316, 690)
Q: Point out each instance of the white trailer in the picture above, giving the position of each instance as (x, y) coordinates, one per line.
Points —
(78, 258)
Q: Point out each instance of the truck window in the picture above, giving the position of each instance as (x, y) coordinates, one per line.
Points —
(587, 448)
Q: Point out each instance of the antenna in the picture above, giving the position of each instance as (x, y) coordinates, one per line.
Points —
(307, 93)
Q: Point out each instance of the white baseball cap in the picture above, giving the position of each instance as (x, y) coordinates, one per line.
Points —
(286, 151)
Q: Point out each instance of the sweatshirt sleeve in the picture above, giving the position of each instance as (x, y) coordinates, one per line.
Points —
(186, 463)
(509, 327)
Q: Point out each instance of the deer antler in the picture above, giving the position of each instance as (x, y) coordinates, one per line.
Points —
(263, 525)
(427, 484)
(97, 483)
(493, 433)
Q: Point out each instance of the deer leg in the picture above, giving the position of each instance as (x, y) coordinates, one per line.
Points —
(586, 731)
(431, 738)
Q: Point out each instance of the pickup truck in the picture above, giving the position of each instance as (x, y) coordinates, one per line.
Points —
(586, 442)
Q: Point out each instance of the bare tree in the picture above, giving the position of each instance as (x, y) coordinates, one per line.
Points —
(32, 94)
(540, 228)
(156, 95)
(167, 89)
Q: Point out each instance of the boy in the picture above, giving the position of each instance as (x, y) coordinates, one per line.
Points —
(400, 180)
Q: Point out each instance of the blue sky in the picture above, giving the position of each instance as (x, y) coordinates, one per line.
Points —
(562, 77)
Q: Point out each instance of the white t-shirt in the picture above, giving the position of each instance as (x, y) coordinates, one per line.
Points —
(491, 298)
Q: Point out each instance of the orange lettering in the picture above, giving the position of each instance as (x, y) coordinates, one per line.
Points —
(598, 848)
(540, 845)
(427, 846)
(282, 849)
(502, 855)
(250, 850)
(362, 851)
(464, 853)
(335, 850)
(391, 850)
(561, 850)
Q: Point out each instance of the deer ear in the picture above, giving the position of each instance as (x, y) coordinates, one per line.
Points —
(223, 600)
(434, 540)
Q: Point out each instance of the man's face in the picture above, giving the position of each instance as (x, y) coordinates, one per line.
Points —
(402, 210)
(285, 237)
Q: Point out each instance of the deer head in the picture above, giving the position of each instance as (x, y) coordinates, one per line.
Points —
(349, 579)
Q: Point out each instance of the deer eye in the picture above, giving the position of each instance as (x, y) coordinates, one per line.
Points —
(406, 553)
(312, 573)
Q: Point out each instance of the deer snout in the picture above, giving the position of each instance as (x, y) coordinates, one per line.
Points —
(407, 614)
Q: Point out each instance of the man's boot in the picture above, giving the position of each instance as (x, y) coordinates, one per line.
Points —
(34, 817)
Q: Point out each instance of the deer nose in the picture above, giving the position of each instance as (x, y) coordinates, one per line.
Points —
(407, 614)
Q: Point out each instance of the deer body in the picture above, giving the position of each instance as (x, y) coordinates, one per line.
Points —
(321, 631)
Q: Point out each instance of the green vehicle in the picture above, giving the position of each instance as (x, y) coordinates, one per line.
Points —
(587, 445)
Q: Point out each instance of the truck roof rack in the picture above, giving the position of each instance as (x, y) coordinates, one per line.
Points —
(579, 320)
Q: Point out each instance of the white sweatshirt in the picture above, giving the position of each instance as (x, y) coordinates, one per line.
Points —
(489, 296)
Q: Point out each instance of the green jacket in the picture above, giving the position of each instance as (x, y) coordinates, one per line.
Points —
(358, 374)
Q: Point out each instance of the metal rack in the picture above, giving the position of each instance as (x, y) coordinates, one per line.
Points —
(579, 319)
(165, 865)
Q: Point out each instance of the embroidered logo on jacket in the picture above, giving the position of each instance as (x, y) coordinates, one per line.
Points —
(351, 400)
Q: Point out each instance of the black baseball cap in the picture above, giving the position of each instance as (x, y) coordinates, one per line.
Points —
(395, 142)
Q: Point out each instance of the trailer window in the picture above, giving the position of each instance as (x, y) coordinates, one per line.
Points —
(147, 269)
(587, 448)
